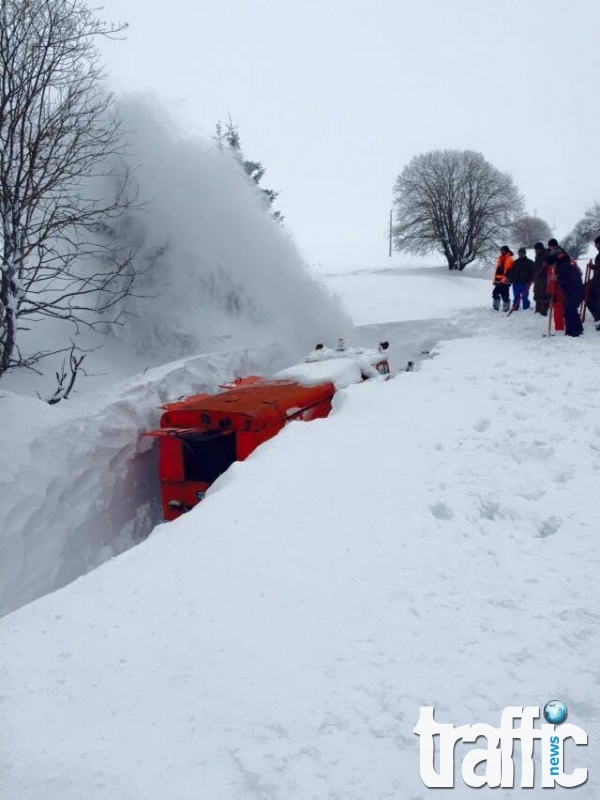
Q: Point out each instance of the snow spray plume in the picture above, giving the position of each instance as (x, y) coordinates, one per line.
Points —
(221, 272)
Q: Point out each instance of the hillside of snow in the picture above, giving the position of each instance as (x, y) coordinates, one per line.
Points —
(433, 542)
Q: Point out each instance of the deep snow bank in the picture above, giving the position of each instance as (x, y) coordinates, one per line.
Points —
(434, 542)
(78, 484)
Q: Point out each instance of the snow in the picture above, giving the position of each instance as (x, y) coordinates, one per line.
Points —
(229, 272)
(406, 293)
(433, 542)
(341, 367)
(342, 372)
(217, 273)
(78, 482)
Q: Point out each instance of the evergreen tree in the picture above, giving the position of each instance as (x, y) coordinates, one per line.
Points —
(228, 136)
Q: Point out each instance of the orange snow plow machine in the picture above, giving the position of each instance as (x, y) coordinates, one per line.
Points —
(200, 437)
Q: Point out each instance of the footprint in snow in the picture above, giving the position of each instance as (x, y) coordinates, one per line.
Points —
(441, 511)
(549, 527)
(563, 477)
(489, 509)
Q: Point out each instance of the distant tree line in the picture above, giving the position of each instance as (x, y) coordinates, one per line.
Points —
(527, 230)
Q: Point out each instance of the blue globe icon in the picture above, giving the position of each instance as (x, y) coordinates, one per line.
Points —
(555, 712)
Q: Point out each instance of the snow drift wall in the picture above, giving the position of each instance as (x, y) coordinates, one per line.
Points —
(78, 484)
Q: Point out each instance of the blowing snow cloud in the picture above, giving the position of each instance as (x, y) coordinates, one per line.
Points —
(227, 274)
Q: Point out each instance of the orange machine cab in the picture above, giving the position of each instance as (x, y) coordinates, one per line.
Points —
(201, 436)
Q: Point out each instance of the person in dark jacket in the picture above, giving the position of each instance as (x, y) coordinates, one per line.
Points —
(540, 280)
(500, 280)
(568, 277)
(592, 287)
(520, 276)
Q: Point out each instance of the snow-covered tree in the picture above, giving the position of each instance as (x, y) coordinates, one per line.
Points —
(577, 241)
(59, 144)
(227, 135)
(526, 231)
(585, 231)
(453, 202)
(592, 218)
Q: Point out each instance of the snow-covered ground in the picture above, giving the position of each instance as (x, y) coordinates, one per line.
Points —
(404, 293)
(433, 542)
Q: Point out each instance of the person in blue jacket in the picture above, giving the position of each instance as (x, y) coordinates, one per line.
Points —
(521, 277)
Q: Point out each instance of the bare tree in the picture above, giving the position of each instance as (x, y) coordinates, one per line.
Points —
(61, 174)
(66, 381)
(453, 202)
(526, 231)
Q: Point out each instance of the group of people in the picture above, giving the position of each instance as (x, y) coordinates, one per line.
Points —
(558, 285)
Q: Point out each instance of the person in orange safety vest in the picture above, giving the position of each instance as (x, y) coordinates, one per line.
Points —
(500, 279)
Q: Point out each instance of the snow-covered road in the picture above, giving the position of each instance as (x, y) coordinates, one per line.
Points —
(434, 542)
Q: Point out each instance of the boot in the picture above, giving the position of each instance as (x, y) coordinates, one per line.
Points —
(505, 306)
(496, 305)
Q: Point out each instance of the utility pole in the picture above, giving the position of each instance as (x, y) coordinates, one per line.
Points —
(390, 254)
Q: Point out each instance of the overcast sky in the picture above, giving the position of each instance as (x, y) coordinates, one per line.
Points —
(336, 96)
